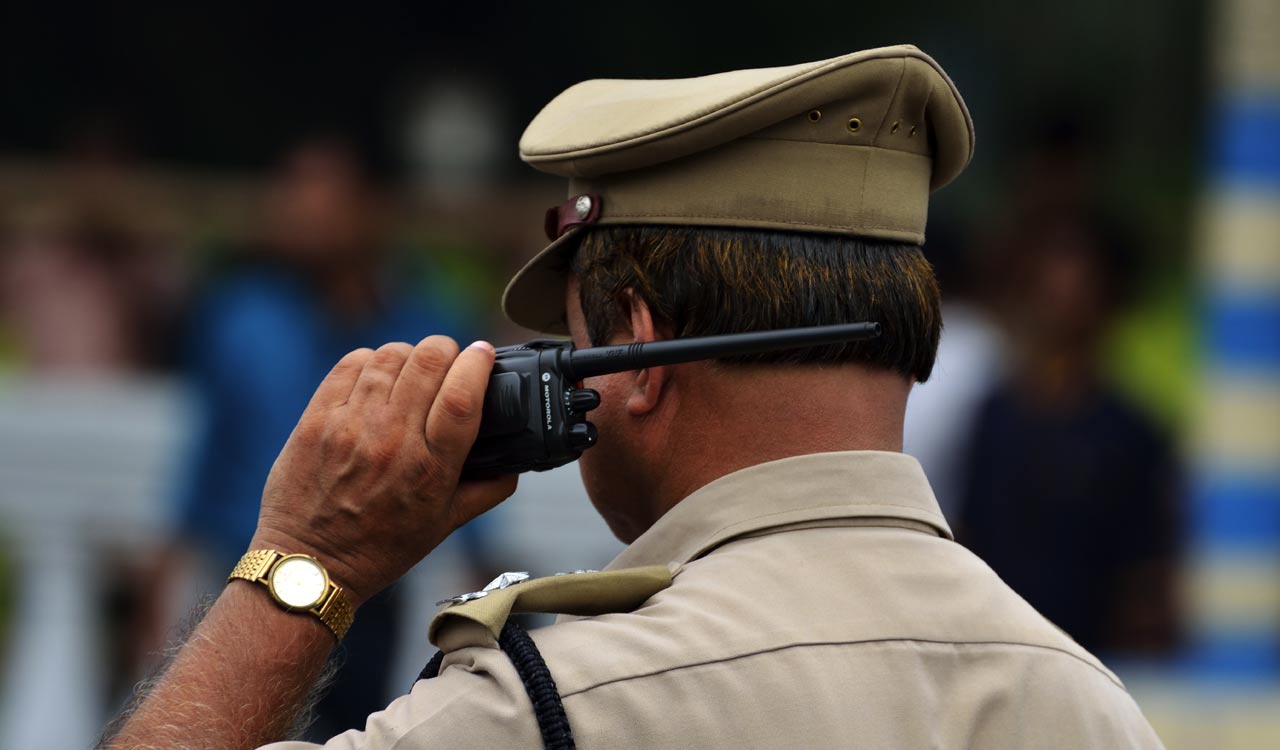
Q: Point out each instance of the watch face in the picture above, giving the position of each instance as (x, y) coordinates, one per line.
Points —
(298, 581)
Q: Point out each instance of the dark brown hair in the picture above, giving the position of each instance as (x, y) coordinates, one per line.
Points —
(702, 281)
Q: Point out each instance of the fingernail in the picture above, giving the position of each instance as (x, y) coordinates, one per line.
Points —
(481, 345)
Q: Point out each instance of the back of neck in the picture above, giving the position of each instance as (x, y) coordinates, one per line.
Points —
(733, 417)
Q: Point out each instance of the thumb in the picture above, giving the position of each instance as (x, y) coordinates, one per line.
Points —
(476, 497)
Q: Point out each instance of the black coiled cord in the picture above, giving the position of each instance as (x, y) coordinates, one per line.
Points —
(553, 723)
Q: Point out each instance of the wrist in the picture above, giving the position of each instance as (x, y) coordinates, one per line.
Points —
(339, 571)
(298, 583)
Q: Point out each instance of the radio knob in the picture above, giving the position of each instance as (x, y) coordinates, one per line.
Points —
(582, 435)
(583, 400)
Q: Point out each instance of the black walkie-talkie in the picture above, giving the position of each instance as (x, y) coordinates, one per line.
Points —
(535, 408)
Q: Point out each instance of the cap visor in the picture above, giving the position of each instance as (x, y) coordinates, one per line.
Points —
(535, 298)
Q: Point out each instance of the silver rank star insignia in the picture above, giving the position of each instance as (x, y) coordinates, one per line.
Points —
(501, 582)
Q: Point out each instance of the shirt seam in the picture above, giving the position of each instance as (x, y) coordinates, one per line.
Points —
(1110, 678)
(710, 539)
(807, 508)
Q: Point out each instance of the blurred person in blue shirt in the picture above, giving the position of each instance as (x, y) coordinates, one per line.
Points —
(316, 283)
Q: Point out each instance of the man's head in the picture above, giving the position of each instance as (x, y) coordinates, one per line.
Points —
(743, 201)
(642, 283)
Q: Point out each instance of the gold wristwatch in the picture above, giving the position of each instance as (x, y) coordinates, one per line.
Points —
(299, 583)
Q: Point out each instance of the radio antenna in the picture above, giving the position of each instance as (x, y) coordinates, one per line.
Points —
(603, 360)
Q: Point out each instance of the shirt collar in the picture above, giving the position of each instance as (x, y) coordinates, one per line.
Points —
(820, 487)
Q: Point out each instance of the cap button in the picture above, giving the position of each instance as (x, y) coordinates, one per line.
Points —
(582, 207)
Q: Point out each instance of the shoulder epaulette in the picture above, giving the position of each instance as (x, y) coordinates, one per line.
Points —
(587, 593)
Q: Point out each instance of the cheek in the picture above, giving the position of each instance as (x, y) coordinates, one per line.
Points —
(605, 465)
(607, 477)
(608, 416)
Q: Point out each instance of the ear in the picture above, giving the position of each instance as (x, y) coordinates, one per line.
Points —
(649, 382)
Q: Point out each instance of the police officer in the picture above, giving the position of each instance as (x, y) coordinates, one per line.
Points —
(789, 579)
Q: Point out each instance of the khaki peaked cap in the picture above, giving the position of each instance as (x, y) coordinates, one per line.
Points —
(853, 145)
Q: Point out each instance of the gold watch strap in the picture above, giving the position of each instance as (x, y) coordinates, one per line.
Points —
(335, 611)
(254, 565)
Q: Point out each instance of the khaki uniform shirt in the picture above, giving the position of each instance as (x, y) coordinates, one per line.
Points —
(818, 602)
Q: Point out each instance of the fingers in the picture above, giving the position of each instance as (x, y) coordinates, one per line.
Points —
(421, 377)
(430, 386)
(454, 418)
(336, 387)
(379, 375)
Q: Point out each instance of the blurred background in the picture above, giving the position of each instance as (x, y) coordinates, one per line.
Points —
(203, 206)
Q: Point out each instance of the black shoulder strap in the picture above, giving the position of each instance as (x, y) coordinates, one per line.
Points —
(532, 668)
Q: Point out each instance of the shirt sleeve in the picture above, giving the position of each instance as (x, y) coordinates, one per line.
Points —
(477, 701)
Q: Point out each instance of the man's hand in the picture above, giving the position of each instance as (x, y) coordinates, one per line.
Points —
(368, 484)
(368, 481)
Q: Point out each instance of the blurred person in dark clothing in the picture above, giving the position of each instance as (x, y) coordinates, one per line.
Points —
(318, 282)
(1071, 492)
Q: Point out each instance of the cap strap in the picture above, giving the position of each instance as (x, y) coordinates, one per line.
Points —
(578, 210)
